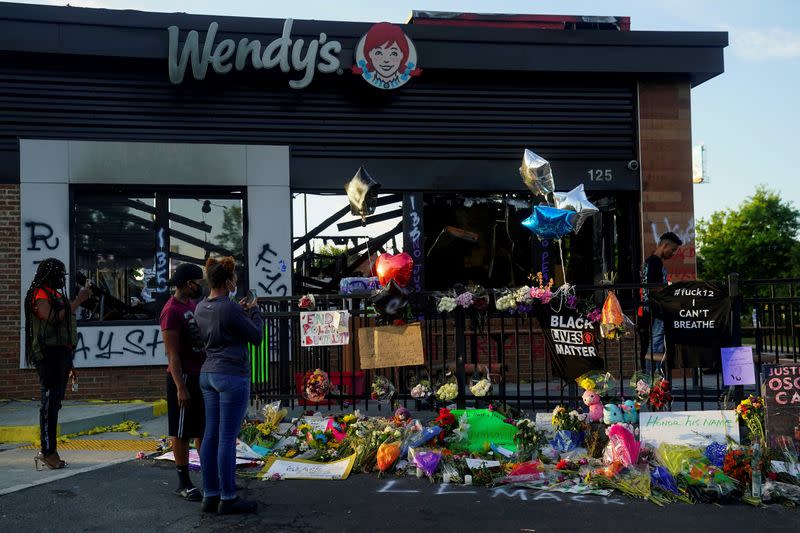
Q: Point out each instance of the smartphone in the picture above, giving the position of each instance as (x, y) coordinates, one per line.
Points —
(252, 296)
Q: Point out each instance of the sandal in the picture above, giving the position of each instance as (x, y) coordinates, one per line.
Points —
(190, 494)
(52, 461)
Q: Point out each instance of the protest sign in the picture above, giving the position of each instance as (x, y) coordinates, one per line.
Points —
(487, 428)
(325, 328)
(695, 313)
(388, 346)
(571, 342)
(692, 428)
(302, 469)
(737, 366)
(780, 387)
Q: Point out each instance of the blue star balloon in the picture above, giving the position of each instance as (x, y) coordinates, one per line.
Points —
(550, 222)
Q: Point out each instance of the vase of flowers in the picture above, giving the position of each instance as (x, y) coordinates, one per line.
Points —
(570, 427)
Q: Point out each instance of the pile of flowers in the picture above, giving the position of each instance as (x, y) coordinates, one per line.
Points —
(568, 420)
(473, 296)
(751, 411)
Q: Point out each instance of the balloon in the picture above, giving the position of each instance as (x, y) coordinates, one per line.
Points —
(537, 174)
(394, 267)
(358, 286)
(390, 301)
(576, 200)
(550, 222)
(362, 191)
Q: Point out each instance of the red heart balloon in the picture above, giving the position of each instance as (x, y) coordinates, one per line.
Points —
(394, 267)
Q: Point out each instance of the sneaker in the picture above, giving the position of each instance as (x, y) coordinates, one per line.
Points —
(236, 506)
(190, 494)
(210, 504)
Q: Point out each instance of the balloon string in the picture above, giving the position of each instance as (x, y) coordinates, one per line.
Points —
(561, 253)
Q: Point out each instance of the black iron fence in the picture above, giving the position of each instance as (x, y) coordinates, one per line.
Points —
(510, 349)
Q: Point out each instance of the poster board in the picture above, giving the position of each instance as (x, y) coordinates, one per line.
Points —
(780, 387)
(325, 328)
(389, 346)
(302, 469)
(486, 428)
(692, 428)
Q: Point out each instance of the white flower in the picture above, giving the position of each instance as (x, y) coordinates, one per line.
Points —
(446, 304)
(481, 388)
(420, 391)
(447, 392)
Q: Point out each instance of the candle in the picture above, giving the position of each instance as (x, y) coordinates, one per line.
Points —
(467, 479)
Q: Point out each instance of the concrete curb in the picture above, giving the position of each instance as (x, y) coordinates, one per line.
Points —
(137, 412)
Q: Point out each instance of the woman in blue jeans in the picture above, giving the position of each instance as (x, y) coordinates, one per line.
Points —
(227, 328)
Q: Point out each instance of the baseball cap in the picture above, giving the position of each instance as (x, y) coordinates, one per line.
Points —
(185, 272)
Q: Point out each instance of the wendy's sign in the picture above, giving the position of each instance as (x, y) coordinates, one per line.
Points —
(385, 57)
(780, 387)
(290, 55)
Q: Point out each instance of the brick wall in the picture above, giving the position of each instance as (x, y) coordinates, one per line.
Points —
(122, 383)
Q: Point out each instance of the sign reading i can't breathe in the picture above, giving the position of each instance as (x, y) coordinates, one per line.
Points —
(694, 312)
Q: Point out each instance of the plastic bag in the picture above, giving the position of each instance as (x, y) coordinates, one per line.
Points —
(425, 459)
(775, 491)
(614, 324)
(388, 453)
(566, 440)
(662, 479)
(673, 456)
(418, 438)
(622, 446)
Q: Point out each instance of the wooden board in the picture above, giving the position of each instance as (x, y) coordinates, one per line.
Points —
(388, 346)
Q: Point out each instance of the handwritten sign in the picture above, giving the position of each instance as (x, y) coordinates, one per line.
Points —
(737, 366)
(692, 428)
(325, 328)
(695, 313)
(388, 346)
(780, 387)
(487, 428)
(302, 469)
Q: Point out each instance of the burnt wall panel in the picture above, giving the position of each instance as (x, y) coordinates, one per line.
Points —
(468, 129)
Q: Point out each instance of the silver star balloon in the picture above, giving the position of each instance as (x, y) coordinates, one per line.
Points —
(576, 200)
(537, 174)
(362, 191)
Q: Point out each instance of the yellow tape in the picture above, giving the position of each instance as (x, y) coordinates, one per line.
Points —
(20, 433)
(106, 445)
(160, 408)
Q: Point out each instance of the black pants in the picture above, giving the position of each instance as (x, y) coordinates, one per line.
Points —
(53, 373)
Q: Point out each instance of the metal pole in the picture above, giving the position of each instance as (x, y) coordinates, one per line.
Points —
(461, 350)
(736, 323)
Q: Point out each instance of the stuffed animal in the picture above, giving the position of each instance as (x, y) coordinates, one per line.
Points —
(630, 412)
(592, 401)
(612, 414)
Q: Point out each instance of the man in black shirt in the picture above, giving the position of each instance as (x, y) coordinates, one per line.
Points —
(654, 271)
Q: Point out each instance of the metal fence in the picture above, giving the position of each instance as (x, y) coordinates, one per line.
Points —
(511, 350)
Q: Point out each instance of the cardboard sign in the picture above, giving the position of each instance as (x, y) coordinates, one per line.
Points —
(692, 428)
(780, 387)
(544, 421)
(737, 366)
(325, 328)
(302, 469)
(487, 428)
(388, 346)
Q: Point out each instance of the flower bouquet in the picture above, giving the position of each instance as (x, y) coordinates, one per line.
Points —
(382, 389)
(529, 439)
(641, 383)
(446, 304)
(751, 411)
(421, 390)
(447, 389)
(614, 324)
(569, 426)
(660, 395)
(481, 388)
(316, 385)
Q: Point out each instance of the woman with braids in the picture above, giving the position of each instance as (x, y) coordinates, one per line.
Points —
(50, 336)
(227, 328)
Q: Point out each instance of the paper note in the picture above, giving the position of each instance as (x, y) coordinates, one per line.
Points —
(301, 469)
(692, 428)
(737, 366)
(480, 463)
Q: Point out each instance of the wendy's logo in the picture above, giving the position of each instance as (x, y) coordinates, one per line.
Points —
(386, 57)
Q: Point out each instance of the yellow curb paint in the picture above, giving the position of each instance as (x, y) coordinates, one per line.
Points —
(20, 433)
(160, 408)
(107, 445)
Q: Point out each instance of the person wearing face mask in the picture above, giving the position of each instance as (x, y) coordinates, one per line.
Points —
(50, 336)
(227, 328)
(185, 354)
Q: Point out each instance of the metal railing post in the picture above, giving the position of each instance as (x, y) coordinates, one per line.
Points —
(735, 295)
(461, 351)
(284, 323)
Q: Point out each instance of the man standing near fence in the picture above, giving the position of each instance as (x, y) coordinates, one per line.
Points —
(185, 355)
(654, 272)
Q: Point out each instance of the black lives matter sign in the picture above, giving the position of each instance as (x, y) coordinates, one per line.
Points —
(694, 312)
(571, 342)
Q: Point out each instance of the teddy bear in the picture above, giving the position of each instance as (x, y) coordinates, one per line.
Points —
(630, 412)
(612, 414)
(592, 401)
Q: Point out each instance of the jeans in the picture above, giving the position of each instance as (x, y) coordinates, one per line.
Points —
(656, 344)
(53, 373)
(225, 399)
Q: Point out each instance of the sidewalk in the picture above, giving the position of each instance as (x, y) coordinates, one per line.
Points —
(19, 427)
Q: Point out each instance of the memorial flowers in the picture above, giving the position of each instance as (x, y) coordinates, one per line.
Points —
(751, 411)
(481, 388)
(447, 392)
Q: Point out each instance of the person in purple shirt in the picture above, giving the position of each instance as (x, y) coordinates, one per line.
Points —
(227, 328)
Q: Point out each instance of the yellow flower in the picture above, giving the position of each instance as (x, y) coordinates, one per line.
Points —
(349, 418)
(290, 454)
(588, 384)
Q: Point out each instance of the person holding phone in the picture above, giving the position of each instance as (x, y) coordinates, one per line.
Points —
(185, 355)
(227, 328)
(50, 336)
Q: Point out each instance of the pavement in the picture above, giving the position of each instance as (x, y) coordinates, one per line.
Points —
(19, 427)
(137, 496)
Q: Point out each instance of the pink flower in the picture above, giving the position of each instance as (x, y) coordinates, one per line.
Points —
(547, 296)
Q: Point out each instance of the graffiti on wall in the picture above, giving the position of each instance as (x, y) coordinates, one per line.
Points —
(273, 269)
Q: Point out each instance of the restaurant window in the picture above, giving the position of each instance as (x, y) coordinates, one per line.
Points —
(128, 242)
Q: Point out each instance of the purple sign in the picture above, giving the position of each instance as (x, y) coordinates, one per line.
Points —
(737, 366)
